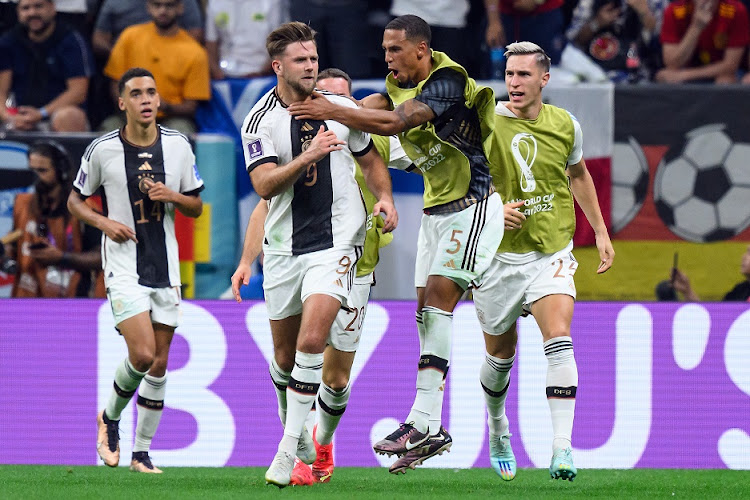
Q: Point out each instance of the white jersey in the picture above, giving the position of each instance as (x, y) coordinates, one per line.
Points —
(324, 207)
(122, 169)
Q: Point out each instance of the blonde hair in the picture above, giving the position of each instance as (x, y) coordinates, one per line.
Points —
(526, 48)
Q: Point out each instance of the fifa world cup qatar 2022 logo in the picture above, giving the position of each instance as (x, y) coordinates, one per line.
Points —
(524, 149)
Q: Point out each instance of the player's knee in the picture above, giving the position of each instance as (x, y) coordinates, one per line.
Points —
(142, 359)
(285, 360)
(337, 381)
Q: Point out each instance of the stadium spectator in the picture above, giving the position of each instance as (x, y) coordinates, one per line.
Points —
(538, 21)
(51, 254)
(147, 173)
(740, 292)
(236, 33)
(341, 29)
(116, 15)
(447, 20)
(45, 66)
(178, 62)
(703, 41)
(619, 35)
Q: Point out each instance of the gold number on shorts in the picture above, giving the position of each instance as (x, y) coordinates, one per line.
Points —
(349, 327)
(344, 265)
(560, 266)
(156, 211)
(311, 177)
(357, 314)
(456, 241)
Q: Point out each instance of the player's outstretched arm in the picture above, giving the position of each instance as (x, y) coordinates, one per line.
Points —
(115, 231)
(250, 249)
(378, 181)
(409, 114)
(582, 186)
(270, 179)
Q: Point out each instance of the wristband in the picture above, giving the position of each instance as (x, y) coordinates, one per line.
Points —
(45, 114)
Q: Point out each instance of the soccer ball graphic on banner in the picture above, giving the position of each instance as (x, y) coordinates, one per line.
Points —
(702, 186)
(629, 182)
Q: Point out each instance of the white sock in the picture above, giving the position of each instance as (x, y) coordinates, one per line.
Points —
(437, 409)
(150, 406)
(433, 365)
(304, 383)
(562, 383)
(127, 379)
(280, 380)
(494, 374)
(331, 406)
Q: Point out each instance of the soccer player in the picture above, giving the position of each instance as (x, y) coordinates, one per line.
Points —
(147, 172)
(536, 158)
(314, 230)
(442, 118)
(343, 341)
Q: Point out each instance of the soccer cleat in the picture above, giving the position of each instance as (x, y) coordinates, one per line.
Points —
(141, 462)
(502, 458)
(562, 466)
(301, 474)
(322, 468)
(108, 439)
(280, 471)
(434, 445)
(401, 441)
(306, 447)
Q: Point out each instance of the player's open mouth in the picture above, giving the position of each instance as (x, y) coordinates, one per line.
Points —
(146, 112)
(395, 73)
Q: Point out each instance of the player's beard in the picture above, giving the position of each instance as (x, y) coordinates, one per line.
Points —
(299, 88)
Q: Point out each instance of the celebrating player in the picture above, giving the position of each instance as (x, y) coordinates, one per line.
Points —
(314, 230)
(442, 118)
(146, 171)
(537, 159)
(343, 341)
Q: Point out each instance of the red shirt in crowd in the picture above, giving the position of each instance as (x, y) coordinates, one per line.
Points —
(728, 28)
(506, 7)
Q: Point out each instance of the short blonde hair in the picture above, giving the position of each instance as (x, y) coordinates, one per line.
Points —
(526, 48)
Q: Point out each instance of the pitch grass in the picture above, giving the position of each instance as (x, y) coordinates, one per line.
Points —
(45, 482)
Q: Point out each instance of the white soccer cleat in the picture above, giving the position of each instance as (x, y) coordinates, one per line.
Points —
(280, 471)
(306, 447)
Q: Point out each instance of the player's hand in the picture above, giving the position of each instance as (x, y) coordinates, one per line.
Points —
(606, 252)
(324, 142)
(513, 217)
(47, 255)
(315, 108)
(118, 232)
(388, 209)
(159, 192)
(240, 277)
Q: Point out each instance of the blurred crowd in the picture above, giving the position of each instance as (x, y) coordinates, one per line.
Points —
(58, 58)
